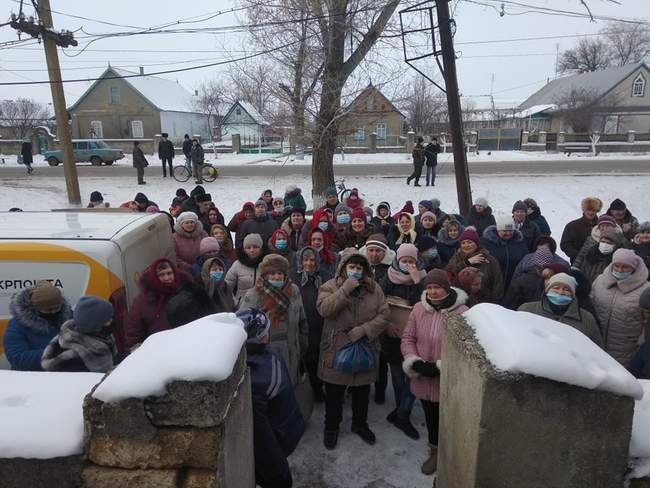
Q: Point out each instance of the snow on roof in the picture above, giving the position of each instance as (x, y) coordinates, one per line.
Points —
(521, 342)
(41, 414)
(535, 109)
(252, 111)
(203, 350)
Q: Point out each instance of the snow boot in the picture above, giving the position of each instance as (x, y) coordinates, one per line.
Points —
(330, 438)
(365, 433)
(407, 427)
(408, 180)
(431, 464)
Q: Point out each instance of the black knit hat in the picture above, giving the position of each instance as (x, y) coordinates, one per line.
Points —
(181, 193)
(618, 204)
(96, 197)
(198, 190)
(425, 243)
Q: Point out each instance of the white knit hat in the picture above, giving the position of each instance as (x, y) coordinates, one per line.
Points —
(187, 216)
(564, 279)
(505, 222)
(482, 201)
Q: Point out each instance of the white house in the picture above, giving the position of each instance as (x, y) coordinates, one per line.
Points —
(243, 119)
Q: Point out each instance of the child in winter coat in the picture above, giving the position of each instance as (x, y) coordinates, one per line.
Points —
(383, 221)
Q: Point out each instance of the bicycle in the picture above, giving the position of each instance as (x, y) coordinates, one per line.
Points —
(182, 173)
(342, 191)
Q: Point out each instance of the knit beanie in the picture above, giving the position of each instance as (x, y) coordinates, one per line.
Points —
(46, 298)
(541, 258)
(564, 279)
(96, 197)
(191, 216)
(644, 227)
(435, 203)
(437, 277)
(248, 206)
(426, 242)
(197, 190)
(209, 244)
(429, 214)
(181, 193)
(426, 204)
(519, 205)
(273, 263)
(406, 250)
(466, 277)
(342, 208)
(644, 300)
(331, 192)
(607, 219)
(151, 209)
(91, 314)
(482, 201)
(505, 222)
(377, 240)
(628, 257)
(470, 234)
(253, 240)
(203, 197)
(278, 199)
(592, 203)
(260, 203)
(618, 204)
(359, 213)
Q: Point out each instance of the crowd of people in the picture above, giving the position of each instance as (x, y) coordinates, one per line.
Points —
(341, 298)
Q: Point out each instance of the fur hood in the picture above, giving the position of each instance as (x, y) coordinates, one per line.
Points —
(491, 235)
(23, 311)
(389, 255)
(461, 299)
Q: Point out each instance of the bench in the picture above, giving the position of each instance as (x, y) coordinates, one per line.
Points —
(583, 148)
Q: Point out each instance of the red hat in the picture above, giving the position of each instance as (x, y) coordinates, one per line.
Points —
(470, 234)
(359, 213)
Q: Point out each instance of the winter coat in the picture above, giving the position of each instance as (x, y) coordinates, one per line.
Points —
(447, 246)
(640, 364)
(528, 287)
(289, 336)
(431, 151)
(539, 220)
(188, 244)
(264, 226)
(643, 251)
(139, 161)
(295, 199)
(219, 291)
(530, 232)
(242, 275)
(343, 309)
(590, 242)
(278, 423)
(295, 236)
(187, 148)
(281, 216)
(418, 154)
(377, 223)
(492, 284)
(578, 318)
(617, 307)
(394, 235)
(236, 221)
(166, 149)
(349, 238)
(480, 221)
(196, 154)
(594, 262)
(507, 252)
(28, 332)
(26, 153)
(422, 341)
(574, 236)
(527, 263)
(630, 222)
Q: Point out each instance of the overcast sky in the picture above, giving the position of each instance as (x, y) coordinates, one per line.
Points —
(523, 64)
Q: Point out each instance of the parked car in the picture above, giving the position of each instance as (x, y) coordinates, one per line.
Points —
(93, 150)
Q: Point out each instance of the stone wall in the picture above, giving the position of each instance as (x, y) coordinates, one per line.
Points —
(499, 429)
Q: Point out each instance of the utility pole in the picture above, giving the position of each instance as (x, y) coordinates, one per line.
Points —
(51, 40)
(461, 170)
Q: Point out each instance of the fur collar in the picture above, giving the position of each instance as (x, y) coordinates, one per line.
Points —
(491, 235)
(22, 310)
(461, 299)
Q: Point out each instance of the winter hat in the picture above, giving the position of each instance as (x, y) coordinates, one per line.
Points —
(273, 263)
(151, 209)
(591, 203)
(541, 258)
(482, 201)
(613, 235)
(260, 203)
(331, 192)
(558, 267)
(546, 240)
(91, 314)
(435, 203)
(429, 214)
(203, 197)
(342, 208)
(644, 227)
(437, 277)
(278, 233)
(181, 193)
(519, 205)
(256, 324)
(96, 197)
(197, 190)
(278, 199)
(644, 300)
(359, 213)
(299, 210)
(470, 234)
(406, 250)
(377, 240)
(466, 276)
(564, 279)
(385, 205)
(209, 244)
(46, 298)
(187, 216)
(530, 203)
(290, 189)
(426, 204)
(628, 257)
(505, 222)
(248, 206)
(607, 219)
(426, 242)
(141, 198)
(618, 204)
(253, 240)
(408, 207)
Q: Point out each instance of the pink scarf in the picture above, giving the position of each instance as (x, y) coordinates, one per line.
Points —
(400, 278)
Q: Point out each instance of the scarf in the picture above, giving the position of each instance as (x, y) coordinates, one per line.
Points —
(446, 303)
(276, 300)
(305, 275)
(399, 277)
(95, 351)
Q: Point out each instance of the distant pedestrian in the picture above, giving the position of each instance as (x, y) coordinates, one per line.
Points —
(418, 163)
(166, 153)
(139, 162)
(26, 153)
(197, 161)
(187, 151)
(431, 155)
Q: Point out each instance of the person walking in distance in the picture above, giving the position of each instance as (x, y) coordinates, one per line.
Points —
(166, 153)
(139, 162)
(197, 161)
(418, 162)
(187, 151)
(26, 153)
(431, 155)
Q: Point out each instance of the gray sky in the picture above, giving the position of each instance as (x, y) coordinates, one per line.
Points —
(513, 64)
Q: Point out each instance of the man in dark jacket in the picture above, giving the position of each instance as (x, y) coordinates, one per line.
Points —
(198, 159)
(431, 154)
(139, 162)
(528, 229)
(261, 224)
(166, 153)
(506, 245)
(278, 424)
(187, 151)
(418, 163)
(26, 153)
(577, 231)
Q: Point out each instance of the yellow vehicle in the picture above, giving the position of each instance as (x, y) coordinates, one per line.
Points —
(82, 252)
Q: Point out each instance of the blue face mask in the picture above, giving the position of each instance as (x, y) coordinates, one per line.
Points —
(558, 299)
(276, 283)
(281, 244)
(323, 225)
(343, 218)
(621, 275)
(216, 275)
(431, 253)
(355, 274)
(403, 267)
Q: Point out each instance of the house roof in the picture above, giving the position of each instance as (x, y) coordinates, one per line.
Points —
(600, 82)
(390, 107)
(535, 109)
(250, 110)
(165, 95)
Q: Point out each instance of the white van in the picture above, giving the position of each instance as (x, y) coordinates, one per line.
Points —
(85, 252)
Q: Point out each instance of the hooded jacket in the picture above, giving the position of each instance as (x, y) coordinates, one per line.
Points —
(446, 245)
(383, 225)
(218, 291)
(28, 332)
(593, 240)
(507, 252)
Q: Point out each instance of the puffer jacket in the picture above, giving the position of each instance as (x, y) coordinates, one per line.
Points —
(507, 252)
(643, 251)
(242, 275)
(422, 341)
(617, 307)
(28, 332)
(188, 245)
(344, 308)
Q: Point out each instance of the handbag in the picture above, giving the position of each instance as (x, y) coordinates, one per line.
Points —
(355, 357)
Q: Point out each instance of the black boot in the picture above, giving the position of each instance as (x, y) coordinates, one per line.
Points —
(417, 182)
(406, 426)
(365, 433)
(330, 438)
(408, 180)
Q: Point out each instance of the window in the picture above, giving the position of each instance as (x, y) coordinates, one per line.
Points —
(381, 132)
(82, 145)
(638, 86)
(137, 130)
(611, 124)
(359, 134)
(96, 129)
(114, 94)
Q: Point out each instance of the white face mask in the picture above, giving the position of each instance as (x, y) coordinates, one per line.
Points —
(605, 248)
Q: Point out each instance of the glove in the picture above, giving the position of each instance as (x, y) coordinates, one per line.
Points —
(350, 284)
(356, 333)
(430, 370)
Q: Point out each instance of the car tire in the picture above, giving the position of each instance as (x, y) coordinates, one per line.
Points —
(96, 161)
(52, 161)
(109, 163)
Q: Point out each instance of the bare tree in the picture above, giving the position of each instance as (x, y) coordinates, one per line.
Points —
(577, 108)
(628, 43)
(210, 102)
(424, 105)
(588, 55)
(22, 115)
(251, 82)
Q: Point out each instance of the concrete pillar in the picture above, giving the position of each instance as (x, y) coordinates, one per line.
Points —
(236, 143)
(410, 141)
(372, 142)
(542, 137)
(524, 137)
(499, 429)
(631, 136)
(561, 137)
